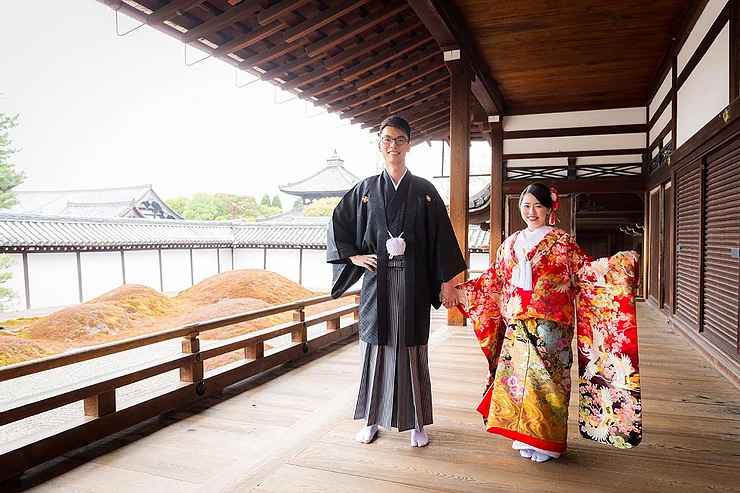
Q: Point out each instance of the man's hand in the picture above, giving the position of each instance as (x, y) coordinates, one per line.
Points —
(369, 262)
(450, 296)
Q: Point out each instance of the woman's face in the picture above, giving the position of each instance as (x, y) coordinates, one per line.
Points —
(393, 145)
(533, 213)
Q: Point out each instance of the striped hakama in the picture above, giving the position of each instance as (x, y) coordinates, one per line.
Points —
(395, 389)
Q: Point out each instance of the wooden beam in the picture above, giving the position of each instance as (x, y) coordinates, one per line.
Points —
(591, 185)
(447, 26)
(249, 39)
(734, 49)
(496, 201)
(172, 9)
(396, 84)
(415, 60)
(390, 54)
(368, 45)
(214, 24)
(278, 10)
(432, 94)
(287, 67)
(281, 48)
(575, 131)
(352, 30)
(325, 18)
(410, 91)
(412, 118)
(307, 78)
(460, 79)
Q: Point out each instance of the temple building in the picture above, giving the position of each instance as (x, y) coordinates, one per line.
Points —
(133, 202)
(333, 180)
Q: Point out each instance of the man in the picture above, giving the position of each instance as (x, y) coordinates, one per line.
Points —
(393, 228)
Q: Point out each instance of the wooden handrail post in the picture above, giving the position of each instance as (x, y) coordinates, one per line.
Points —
(300, 334)
(192, 372)
(255, 351)
(356, 314)
(333, 324)
(100, 404)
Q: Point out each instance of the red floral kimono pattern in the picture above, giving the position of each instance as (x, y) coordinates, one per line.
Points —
(526, 338)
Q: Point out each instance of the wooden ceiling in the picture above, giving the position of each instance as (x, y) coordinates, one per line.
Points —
(573, 54)
(366, 59)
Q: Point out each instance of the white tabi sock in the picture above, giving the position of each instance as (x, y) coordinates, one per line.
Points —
(419, 438)
(367, 434)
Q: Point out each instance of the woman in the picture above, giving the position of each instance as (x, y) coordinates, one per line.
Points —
(522, 310)
(392, 230)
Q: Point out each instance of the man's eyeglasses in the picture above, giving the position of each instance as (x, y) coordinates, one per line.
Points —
(387, 141)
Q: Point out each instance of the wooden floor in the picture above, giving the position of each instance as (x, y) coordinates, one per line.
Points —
(291, 431)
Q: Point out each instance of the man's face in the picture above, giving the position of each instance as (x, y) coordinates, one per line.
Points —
(393, 145)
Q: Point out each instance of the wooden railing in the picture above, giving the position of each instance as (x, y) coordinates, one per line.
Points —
(103, 417)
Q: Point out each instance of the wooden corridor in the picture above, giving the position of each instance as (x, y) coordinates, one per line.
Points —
(291, 431)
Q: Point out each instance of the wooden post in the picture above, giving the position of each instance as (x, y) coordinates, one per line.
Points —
(79, 275)
(255, 351)
(100, 404)
(194, 371)
(356, 313)
(300, 266)
(123, 268)
(496, 207)
(161, 271)
(459, 162)
(300, 334)
(25, 280)
(264, 258)
(572, 173)
(192, 268)
(333, 324)
(218, 259)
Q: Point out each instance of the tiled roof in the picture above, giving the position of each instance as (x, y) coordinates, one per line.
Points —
(43, 233)
(332, 179)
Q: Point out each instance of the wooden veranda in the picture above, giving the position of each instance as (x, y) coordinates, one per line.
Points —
(290, 430)
(630, 108)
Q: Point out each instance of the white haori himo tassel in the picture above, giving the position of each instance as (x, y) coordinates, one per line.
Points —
(396, 246)
(522, 278)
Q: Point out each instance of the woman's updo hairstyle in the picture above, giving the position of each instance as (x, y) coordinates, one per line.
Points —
(541, 193)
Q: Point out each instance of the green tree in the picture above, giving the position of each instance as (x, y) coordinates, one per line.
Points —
(276, 202)
(9, 179)
(321, 207)
(265, 201)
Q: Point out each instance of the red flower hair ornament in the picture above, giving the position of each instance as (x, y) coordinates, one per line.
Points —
(553, 218)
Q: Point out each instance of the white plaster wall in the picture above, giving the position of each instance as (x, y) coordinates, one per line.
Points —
(701, 28)
(248, 258)
(283, 262)
(142, 267)
(707, 90)
(176, 269)
(661, 122)
(575, 143)
(16, 283)
(527, 163)
(101, 272)
(667, 139)
(317, 274)
(205, 263)
(53, 279)
(478, 261)
(226, 260)
(663, 90)
(618, 116)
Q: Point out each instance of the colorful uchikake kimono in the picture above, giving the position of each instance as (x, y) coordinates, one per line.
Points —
(526, 337)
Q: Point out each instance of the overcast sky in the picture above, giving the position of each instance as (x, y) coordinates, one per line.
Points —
(99, 110)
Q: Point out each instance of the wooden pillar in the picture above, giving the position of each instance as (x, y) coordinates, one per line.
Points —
(460, 82)
(192, 268)
(161, 272)
(100, 404)
(300, 335)
(572, 173)
(79, 276)
(734, 50)
(123, 268)
(496, 207)
(25, 281)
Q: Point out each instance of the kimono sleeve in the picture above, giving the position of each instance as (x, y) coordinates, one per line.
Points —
(446, 259)
(610, 408)
(342, 243)
(484, 312)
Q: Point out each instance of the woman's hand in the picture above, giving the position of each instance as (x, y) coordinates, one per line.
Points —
(369, 262)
